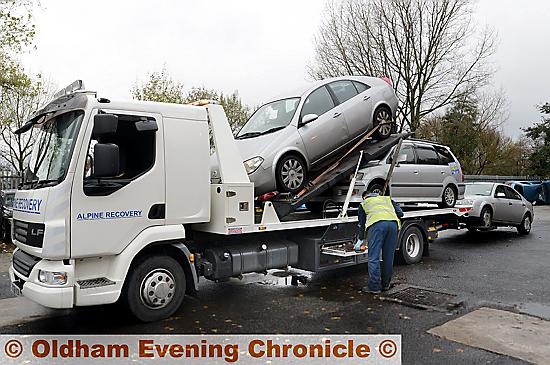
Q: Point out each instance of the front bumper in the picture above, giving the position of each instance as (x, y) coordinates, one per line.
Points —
(47, 295)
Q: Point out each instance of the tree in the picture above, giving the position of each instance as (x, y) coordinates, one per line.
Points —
(539, 136)
(471, 128)
(161, 87)
(19, 103)
(16, 31)
(431, 50)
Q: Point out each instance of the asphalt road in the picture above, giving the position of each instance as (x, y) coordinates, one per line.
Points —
(498, 269)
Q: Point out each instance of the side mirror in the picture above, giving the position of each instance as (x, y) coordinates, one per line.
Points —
(308, 118)
(501, 195)
(104, 124)
(401, 158)
(106, 160)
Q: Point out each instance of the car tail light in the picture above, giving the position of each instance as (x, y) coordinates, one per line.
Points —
(267, 196)
(388, 80)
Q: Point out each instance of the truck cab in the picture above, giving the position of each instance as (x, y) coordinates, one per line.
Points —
(105, 180)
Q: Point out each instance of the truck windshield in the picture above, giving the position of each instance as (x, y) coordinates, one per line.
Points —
(52, 150)
(269, 118)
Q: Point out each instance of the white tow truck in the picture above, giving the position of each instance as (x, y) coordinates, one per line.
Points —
(117, 204)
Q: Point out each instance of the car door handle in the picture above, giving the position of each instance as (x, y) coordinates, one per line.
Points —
(337, 114)
(415, 172)
(366, 97)
(442, 172)
(510, 203)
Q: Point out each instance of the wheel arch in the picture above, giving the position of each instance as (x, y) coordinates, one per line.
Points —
(288, 151)
(407, 225)
(381, 104)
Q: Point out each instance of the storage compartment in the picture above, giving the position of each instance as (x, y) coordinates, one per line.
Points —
(235, 260)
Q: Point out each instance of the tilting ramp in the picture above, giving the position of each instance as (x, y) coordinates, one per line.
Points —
(342, 168)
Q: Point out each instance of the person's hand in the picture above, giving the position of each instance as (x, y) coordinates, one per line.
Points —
(358, 245)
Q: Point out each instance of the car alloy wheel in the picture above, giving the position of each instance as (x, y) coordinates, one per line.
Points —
(525, 227)
(292, 174)
(527, 223)
(486, 218)
(383, 118)
(450, 198)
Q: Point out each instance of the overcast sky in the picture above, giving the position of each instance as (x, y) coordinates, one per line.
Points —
(259, 48)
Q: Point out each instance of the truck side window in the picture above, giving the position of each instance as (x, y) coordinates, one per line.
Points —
(137, 156)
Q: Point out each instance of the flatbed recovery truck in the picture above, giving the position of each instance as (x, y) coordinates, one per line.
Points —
(118, 205)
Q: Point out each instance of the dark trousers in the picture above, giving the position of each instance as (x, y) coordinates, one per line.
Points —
(382, 239)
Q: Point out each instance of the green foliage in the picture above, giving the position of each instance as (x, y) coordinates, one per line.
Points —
(480, 147)
(539, 135)
(161, 87)
(16, 27)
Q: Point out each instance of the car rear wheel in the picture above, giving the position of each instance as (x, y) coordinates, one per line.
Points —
(383, 117)
(291, 174)
(525, 227)
(486, 217)
(449, 198)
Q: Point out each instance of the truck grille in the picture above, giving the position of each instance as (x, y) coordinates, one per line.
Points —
(31, 234)
(23, 262)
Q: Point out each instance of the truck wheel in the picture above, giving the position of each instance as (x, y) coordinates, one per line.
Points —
(154, 288)
(525, 227)
(412, 246)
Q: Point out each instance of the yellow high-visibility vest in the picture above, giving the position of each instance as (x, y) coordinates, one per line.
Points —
(379, 208)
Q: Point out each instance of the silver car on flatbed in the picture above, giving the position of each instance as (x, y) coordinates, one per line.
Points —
(287, 138)
(496, 205)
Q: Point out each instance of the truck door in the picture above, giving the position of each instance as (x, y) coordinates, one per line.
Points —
(108, 213)
(328, 131)
(357, 106)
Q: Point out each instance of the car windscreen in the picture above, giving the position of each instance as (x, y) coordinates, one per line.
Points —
(479, 189)
(270, 118)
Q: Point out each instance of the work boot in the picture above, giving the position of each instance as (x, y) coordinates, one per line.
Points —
(366, 289)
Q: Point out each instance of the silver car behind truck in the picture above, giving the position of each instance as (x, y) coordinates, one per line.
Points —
(496, 205)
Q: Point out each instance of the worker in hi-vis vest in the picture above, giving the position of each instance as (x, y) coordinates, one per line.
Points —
(379, 220)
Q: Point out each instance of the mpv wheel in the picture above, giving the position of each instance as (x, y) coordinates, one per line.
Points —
(291, 174)
(525, 226)
(449, 197)
(383, 117)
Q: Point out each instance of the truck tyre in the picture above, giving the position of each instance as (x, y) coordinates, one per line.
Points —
(291, 174)
(383, 115)
(411, 246)
(154, 288)
(525, 227)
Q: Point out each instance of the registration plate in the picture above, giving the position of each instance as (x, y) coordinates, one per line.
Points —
(15, 289)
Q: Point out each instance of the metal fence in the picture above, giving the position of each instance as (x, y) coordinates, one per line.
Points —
(8, 180)
(500, 179)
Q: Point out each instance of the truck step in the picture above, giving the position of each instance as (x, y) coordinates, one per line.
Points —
(94, 283)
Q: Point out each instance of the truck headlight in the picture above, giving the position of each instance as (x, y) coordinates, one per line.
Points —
(52, 277)
(252, 164)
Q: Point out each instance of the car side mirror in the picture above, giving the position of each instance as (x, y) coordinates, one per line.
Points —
(308, 118)
(104, 124)
(501, 195)
(401, 158)
(106, 160)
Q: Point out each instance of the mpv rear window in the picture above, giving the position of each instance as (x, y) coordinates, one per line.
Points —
(445, 156)
(426, 156)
